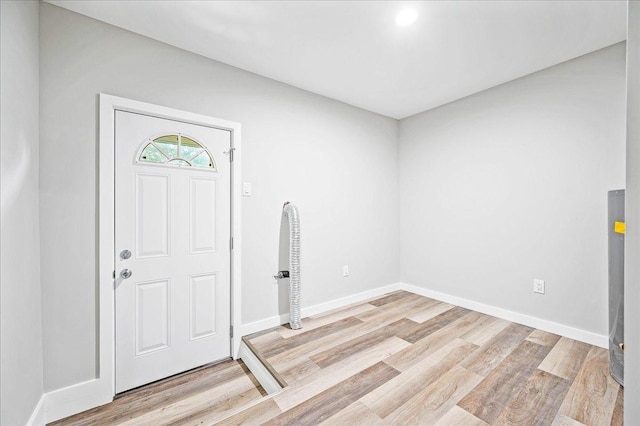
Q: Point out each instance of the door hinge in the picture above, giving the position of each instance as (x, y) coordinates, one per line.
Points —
(230, 331)
(114, 274)
(231, 243)
(230, 154)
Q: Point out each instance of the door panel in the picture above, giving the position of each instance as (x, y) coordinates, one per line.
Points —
(203, 215)
(173, 312)
(152, 215)
(152, 316)
(203, 303)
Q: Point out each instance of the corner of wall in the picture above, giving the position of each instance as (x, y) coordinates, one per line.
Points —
(21, 285)
(632, 237)
(38, 416)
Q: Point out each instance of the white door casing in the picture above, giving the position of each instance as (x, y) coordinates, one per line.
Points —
(101, 389)
(173, 312)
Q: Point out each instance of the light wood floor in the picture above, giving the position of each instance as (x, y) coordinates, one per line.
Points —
(201, 396)
(398, 359)
(406, 359)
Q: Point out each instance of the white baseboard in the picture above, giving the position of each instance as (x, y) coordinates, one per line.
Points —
(277, 320)
(83, 396)
(348, 300)
(38, 415)
(539, 323)
(266, 379)
(75, 399)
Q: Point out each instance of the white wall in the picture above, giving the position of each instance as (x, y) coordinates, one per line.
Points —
(21, 334)
(632, 247)
(336, 162)
(510, 184)
(495, 189)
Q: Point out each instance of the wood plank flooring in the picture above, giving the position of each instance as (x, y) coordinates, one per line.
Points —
(406, 359)
(393, 360)
(202, 396)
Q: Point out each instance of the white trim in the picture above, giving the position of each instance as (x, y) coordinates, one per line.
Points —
(539, 323)
(236, 235)
(74, 399)
(266, 379)
(242, 408)
(347, 300)
(82, 396)
(38, 417)
(277, 320)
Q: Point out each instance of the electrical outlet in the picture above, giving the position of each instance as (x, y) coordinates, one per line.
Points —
(345, 271)
(538, 286)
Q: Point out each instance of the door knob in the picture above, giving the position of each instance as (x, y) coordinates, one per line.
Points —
(126, 273)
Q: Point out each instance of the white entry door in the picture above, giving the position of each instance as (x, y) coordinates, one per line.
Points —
(172, 233)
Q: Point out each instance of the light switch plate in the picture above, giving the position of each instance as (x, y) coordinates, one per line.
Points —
(246, 189)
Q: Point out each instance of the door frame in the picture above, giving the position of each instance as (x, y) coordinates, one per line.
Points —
(108, 105)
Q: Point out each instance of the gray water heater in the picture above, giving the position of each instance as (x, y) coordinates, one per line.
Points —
(616, 227)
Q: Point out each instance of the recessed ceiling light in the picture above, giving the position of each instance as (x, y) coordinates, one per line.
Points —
(406, 17)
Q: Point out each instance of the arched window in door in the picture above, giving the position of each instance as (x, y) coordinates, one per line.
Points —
(176, 150)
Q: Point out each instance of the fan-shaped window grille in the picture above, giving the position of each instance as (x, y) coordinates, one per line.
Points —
(176, 150)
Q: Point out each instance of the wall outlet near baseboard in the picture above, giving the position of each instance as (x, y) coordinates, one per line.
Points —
(538, 286)
(345, 271)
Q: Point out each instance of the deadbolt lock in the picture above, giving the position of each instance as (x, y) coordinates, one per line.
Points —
(125, 254)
